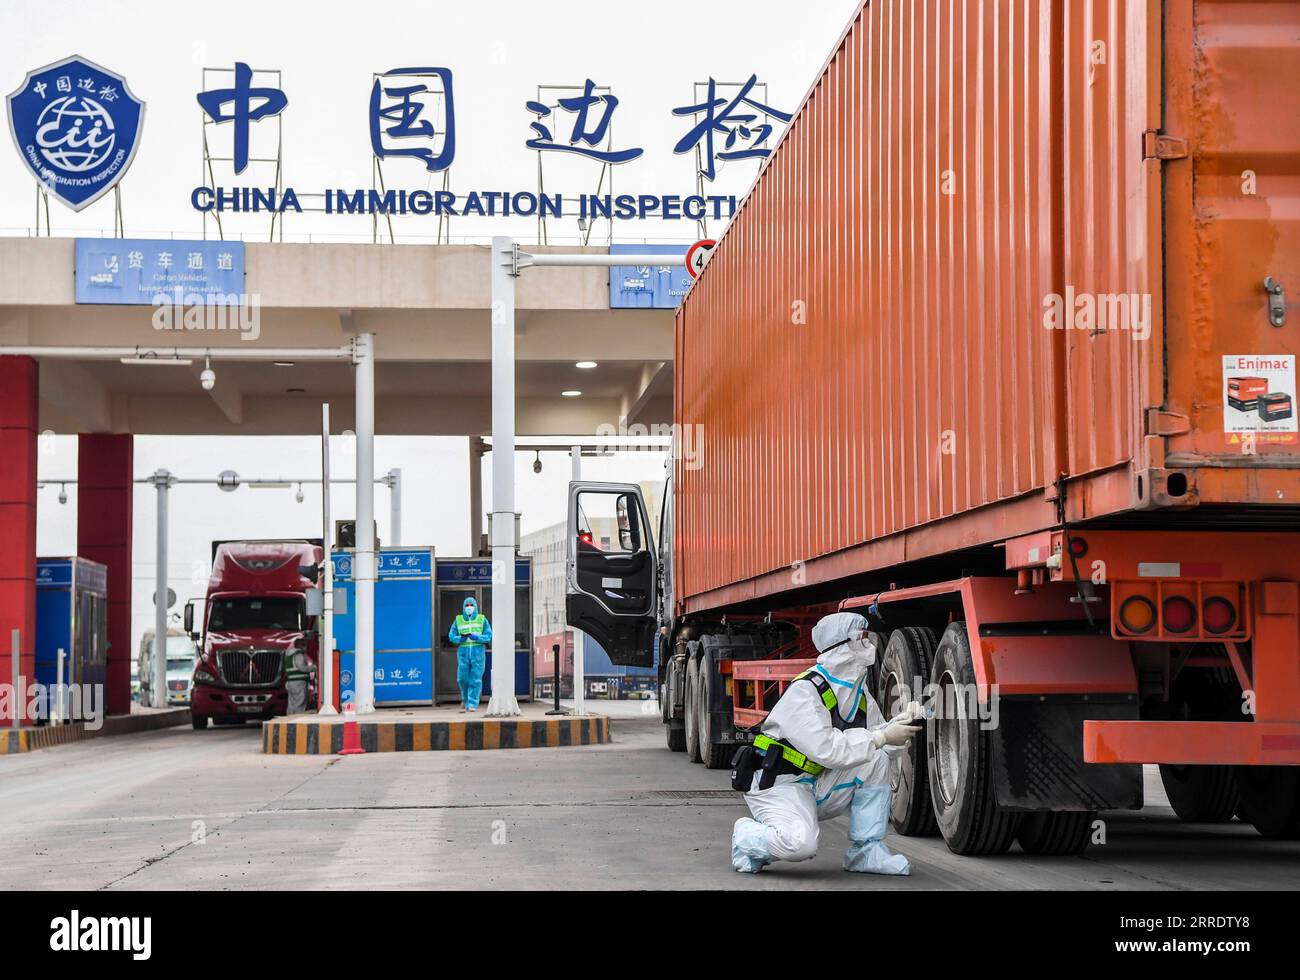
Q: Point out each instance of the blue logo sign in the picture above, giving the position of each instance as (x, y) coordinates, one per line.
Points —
(149, 272)
(77, 127)
(659, 287)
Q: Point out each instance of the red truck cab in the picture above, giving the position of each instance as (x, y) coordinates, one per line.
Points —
(255, 618)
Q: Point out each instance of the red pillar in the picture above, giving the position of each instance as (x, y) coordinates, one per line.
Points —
(19, 390)
(104, 464)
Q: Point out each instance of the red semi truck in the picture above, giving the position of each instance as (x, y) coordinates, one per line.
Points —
(255, 624)
(962, 362)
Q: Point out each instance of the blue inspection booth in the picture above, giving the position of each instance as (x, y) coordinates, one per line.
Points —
(404, 625)
(459, 578)
(417, 597)
(72, 616)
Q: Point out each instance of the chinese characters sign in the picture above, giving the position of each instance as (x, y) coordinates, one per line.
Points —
(136, 271)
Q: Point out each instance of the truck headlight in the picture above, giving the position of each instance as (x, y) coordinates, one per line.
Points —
(203, 677)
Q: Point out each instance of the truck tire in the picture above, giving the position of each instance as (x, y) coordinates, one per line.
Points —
(960, 758)
(198, 722)
(692, 701)
(1203, 794)
(1270, 799)
(675, 727)
(676, 735)
(908, 656)
(714, 753)
(1058, 833)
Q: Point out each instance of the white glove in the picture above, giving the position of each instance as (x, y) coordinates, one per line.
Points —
(895, 733)
(913, 714)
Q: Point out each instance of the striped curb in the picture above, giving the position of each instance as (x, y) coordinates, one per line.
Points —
(283, 737)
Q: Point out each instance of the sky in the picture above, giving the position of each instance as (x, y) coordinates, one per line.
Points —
(327, 52)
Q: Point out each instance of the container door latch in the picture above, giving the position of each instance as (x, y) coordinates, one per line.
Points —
(1158, 146)
(1276, 301)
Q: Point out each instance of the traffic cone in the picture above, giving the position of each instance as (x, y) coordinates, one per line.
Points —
(351, 732)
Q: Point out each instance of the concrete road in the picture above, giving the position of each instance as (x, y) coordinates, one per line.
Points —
(181, 809)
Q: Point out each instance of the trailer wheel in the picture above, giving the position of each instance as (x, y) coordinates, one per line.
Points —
(198, 722)
(904, 670)
(1270, 799)
(692, 701)
(1203, 794)
(960, 758)
(714, 753)
(676, 735)
(1055, 833)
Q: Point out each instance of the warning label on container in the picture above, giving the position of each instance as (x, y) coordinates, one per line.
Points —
(1259, 396)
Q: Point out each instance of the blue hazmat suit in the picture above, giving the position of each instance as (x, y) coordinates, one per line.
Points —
(470, 631)
(785, 817)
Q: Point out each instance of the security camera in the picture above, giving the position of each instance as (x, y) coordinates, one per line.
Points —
(537, 463)
(298, 496)
(63, 494)
(207, 377)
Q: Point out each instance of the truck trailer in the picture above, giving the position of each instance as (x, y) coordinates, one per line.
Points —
(963, 362)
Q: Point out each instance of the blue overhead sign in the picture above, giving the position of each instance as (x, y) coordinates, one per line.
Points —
(473, 571)
(644, 287)
(150, 272)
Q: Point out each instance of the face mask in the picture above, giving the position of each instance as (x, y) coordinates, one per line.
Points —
(470, 612)
(863, 650)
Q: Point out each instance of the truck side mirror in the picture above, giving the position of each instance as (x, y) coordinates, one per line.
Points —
(189, 617)
(310, 572)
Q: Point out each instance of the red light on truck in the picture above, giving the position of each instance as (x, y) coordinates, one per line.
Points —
(1078, 547)
(1137, 614)
(1219, 615)
(1179, 614)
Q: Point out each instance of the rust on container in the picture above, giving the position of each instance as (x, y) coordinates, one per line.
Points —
(868, 350)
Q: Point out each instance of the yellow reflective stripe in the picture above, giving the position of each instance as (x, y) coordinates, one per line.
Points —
(828, 699)
(791, 755)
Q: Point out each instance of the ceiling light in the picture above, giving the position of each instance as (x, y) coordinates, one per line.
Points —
(571, 394)
(585, 365)
(283, 363)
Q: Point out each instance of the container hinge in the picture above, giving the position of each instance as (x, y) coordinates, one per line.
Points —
(1162, 423)
(1157, 146)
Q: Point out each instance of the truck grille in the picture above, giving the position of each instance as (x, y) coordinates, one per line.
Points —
(251, 667)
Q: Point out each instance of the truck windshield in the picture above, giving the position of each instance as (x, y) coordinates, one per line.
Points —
(259, 613)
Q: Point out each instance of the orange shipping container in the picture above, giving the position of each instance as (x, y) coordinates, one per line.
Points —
(1001, 244)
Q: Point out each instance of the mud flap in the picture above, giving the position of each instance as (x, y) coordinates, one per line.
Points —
(1038, 756)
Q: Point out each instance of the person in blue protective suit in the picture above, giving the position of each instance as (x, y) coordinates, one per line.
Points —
(470, 631)
(822, 750)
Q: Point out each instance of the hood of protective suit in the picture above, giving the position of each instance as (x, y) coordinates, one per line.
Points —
(469, 608)
(842, 659)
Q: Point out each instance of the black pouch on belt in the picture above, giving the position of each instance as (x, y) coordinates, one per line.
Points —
(771, 760)
(743, 764)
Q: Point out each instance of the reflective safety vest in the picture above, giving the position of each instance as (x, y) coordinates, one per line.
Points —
(792, 755)
(477, 625)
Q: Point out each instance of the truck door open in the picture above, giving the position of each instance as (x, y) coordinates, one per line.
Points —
(612, 570)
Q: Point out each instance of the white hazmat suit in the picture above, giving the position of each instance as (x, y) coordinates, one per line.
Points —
(784, 826)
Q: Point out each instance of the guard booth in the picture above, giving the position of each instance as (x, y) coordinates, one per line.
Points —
(459, 578)
(404, 626)
(72, 616)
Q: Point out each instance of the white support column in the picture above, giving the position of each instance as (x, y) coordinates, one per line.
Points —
(325, 656)
(503, 702)
(579, 637)
(162, 481)
(363, 562)
(395, 506)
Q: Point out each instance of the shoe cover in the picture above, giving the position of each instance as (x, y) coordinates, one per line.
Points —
(868, 822)
(749, 853)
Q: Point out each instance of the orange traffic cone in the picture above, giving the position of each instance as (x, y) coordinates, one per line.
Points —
(351, 732)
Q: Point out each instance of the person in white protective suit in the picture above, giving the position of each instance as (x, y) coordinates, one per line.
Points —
(823, 749)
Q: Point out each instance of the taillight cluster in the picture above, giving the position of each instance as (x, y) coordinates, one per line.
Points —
(1174, 609)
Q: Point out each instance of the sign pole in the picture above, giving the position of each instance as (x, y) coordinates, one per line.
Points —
(162, 480)
(325, 655)
(504, 271)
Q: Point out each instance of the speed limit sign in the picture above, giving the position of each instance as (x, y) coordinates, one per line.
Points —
(698, 254)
